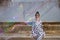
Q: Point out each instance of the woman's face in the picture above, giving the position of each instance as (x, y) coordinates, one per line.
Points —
(37, 16)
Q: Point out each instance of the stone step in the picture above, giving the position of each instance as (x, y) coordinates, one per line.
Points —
(29, 39)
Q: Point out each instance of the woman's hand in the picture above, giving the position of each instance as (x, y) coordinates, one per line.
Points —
(35, 37)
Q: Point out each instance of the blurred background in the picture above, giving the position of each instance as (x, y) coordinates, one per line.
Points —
(24, 10)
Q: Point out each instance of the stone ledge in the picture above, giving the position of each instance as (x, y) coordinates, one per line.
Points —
(25, 36)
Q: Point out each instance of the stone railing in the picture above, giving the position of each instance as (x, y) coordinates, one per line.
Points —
(20, 30)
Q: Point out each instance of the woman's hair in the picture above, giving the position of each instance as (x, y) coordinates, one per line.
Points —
(37, 13)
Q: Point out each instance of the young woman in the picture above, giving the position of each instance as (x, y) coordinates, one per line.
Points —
(37, 29)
